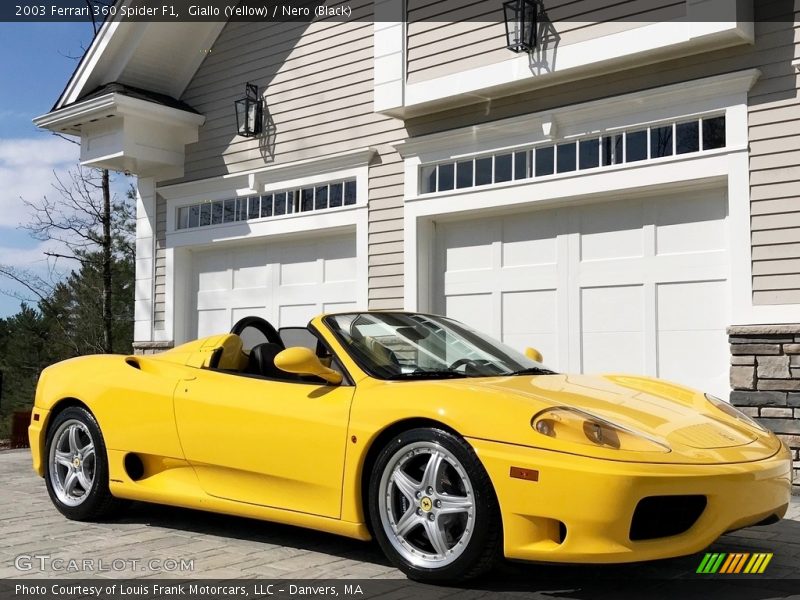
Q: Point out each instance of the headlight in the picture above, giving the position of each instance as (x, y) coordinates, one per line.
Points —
(733, 412)
(574, 425)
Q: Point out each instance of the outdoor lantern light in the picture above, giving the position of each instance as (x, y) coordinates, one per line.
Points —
(520, 16)
(249, 112)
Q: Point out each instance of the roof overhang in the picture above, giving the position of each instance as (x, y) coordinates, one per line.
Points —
(122, 133)
(132, 53)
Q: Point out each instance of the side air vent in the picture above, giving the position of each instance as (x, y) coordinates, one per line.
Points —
(134, 466)
(133, 362)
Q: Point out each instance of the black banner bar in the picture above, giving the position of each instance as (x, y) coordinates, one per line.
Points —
(484, 11)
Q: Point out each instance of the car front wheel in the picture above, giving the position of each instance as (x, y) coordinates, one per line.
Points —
(77, 467)
(433, 508)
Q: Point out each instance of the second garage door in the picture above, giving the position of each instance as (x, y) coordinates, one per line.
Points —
(636, 286)
(286, 283)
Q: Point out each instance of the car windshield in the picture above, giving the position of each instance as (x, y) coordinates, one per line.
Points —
(414, 346)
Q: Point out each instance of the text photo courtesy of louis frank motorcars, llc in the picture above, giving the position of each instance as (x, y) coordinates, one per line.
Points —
(378, 298)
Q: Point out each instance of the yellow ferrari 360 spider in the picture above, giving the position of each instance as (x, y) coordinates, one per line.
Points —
(449, 448)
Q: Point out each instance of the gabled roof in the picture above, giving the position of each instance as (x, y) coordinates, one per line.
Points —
(156, 57)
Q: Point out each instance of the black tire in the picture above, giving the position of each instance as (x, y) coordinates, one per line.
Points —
(483, 547)
(96, 503)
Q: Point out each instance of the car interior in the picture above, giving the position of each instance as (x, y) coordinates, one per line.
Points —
(253, 344)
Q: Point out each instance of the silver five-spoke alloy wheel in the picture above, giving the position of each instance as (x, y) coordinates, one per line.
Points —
(72, 462)
(427, 504)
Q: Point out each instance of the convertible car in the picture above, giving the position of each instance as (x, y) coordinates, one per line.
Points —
(449, 448)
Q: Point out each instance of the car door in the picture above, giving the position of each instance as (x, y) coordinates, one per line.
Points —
(268, 442)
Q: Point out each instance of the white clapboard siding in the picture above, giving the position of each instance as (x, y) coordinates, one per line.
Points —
(446, 37)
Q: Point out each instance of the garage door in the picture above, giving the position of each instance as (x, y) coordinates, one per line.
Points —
(286, 283)
(636, 286)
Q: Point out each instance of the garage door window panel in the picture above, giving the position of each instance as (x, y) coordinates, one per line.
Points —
(273, 204)
(618, 148)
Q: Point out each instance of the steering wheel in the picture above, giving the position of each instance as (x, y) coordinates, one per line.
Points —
(462, 361)
(262, 325)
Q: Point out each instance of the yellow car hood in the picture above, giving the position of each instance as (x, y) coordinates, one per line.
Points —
(691, 426)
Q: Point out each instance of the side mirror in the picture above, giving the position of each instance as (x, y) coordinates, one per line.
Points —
(534, 354)
(303, 361)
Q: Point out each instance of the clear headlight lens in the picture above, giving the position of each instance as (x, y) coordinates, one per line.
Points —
(574, 425)
(733, 412)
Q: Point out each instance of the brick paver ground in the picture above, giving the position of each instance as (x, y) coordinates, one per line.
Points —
(229, 547)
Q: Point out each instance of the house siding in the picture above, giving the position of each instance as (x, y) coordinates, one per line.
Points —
(774, 123)
(472, 34)
(317, 82)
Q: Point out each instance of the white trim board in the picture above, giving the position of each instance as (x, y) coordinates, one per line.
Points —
(694, 33)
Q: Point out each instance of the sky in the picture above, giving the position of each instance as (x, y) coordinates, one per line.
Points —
(36, 61)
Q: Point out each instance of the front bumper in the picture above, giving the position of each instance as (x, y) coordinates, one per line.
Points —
(580, 509)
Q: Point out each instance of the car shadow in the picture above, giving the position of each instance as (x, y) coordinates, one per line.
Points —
(654, 579)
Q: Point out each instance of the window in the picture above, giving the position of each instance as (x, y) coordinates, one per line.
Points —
(687, 137)
(661, 142)
(464, 174)
(521, 162)
(713, 133)
(589, 153)
(657, 141)
(612, 150)
(502, 168)
(483, 171)
(285, 202)
(635, 146)
(545, 161)
(446, 177)
(566, 157)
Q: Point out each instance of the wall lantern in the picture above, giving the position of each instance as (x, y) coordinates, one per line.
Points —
(520, 17)
(249, 112)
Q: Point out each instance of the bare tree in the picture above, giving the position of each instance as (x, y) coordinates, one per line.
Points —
(86, 224)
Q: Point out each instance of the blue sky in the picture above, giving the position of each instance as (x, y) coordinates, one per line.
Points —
(37, 61)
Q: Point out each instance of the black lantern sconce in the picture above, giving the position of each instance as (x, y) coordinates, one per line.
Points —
(249, 112)
(520, 17)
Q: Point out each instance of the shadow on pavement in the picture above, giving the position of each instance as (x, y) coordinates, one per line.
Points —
(671, 578)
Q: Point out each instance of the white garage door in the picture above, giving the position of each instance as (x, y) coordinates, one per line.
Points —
(286, 283)
(636, 286)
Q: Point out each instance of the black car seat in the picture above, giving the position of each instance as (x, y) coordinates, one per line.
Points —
(262, 361)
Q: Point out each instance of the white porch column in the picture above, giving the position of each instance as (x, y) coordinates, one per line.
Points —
(145, 259)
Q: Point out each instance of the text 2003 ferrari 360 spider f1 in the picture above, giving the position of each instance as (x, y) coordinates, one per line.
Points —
(449, 448)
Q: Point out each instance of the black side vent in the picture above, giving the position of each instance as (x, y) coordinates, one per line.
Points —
(663, 516)
(132, 361)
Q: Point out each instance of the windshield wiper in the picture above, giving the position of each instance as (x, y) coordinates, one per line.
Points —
(432, 374)
(532, 371)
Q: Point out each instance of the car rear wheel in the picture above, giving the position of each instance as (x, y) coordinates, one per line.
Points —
(77, 467)
(433, 508)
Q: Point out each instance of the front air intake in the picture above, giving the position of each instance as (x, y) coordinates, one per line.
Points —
(663, 516)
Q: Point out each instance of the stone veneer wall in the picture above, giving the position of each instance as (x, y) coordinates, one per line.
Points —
(765, 377)
(151, 347)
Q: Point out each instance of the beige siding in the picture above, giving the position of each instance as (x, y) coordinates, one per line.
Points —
(445, 37)
(774, 125)
(317, 82)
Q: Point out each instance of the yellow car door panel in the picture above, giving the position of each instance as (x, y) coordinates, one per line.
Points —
(267, 442)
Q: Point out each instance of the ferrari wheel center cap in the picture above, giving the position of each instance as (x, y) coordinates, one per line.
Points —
(76, 462)
(426, 504)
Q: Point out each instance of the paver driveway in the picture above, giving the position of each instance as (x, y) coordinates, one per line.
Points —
(149, 537)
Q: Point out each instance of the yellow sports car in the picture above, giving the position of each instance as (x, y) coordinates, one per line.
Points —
(449, 448)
